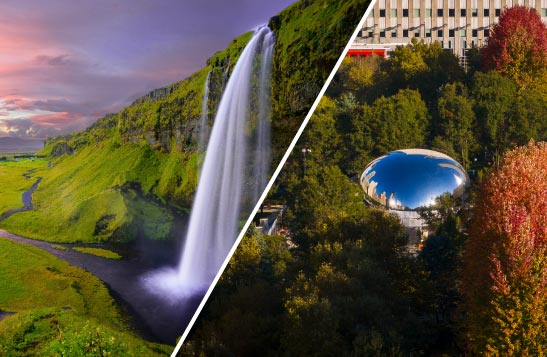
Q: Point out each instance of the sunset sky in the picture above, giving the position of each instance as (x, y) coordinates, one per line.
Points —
(65, 63)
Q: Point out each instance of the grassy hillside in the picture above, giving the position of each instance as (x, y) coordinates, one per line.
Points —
(130, 173)
(59, 309)
(108, 191)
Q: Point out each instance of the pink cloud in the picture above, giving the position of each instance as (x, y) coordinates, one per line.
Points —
(56, 119)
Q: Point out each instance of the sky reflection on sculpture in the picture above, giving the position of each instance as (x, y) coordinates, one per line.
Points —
(412, 178)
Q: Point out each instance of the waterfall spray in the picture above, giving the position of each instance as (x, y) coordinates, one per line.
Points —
(215, 214)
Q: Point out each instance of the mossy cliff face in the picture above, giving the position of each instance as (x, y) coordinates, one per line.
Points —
(131, 172)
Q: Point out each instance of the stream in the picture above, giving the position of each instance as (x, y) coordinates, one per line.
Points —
(150, 316)
(27, 197)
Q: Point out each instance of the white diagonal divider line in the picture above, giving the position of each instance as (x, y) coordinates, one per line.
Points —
(272, 179)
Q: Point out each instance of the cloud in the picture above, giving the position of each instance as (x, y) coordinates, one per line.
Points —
(56, 119)
(26, 128)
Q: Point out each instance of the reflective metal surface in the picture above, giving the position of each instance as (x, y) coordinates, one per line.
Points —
(412, 178)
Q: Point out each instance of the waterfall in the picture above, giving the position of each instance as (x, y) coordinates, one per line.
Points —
(204, 119)
(216, 212)
(262, 151)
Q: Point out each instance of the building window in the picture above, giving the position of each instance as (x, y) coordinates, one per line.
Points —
(450, 33)
(439, 33)
(463, 33)
(417, 33)
(393, 12)
(474, 12)
(405, 33)
(382, 12)
(543, 12)
(416, 12)
(427, 33)
(486, 12)
(394, 33)
(463, 12)
(439, 12)
(427, 12)
(372, 13)
(498, 12)
(382, 34)
(475, 33)
(451, 12)
(486, 33)
(370, 33)
(405, 12)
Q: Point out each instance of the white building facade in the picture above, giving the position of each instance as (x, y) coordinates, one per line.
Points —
(456, 24)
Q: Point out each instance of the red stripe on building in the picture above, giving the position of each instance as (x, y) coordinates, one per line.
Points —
(367, 52)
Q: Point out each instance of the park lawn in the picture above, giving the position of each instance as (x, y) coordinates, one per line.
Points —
(59, 309)
(12, 182)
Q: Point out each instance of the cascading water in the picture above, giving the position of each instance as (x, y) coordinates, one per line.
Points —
(215, 214)
(262, 151)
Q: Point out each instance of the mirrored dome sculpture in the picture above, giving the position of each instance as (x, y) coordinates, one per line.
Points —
(405, 180)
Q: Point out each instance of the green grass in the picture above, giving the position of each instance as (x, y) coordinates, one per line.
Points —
(58, 308)
(13, 184)
(100, 252)
(108, 191)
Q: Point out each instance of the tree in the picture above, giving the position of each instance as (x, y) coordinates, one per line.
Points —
(421, 66)
(397, 122)
(457, 121)
(517, 46)
(505, 259)
(494, 97)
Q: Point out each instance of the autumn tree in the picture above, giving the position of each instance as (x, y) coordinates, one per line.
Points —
(505, 259)
(517, 46)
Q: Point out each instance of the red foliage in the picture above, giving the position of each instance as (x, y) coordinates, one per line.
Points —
(505, 260)
(517, 45)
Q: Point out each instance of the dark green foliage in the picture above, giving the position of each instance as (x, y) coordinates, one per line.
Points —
(425, 67)
(455, 129)
(494, 98)
(397, 122)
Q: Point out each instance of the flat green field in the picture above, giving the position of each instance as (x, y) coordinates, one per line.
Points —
(13, 184)
(59, 310)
